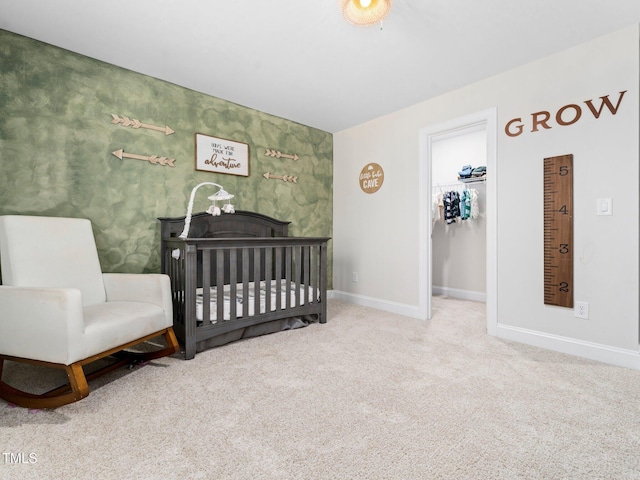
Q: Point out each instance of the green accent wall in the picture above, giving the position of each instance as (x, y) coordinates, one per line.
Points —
(57, 139)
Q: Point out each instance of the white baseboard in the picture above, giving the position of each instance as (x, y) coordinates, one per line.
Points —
(391, 307)
(461, 294)
(594, 351)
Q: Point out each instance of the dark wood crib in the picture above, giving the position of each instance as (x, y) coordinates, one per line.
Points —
(240, 275)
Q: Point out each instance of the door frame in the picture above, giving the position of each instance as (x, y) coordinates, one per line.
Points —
(427, 135)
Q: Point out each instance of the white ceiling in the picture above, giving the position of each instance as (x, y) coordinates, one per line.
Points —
(299, 59)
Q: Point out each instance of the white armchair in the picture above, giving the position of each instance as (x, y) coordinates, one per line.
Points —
(58, 309)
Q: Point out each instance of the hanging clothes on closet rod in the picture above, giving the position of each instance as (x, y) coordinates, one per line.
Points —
(451, 202)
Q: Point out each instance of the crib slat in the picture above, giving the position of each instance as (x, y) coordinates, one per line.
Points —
(298, 276)
(278, 278)
(233, 283)
(206, 290)
(287, 275)
(307, 272)
(268, 267)
(220, 287)
(256, 281)
(245, 282)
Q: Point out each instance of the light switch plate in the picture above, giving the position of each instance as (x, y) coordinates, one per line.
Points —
(604, 206)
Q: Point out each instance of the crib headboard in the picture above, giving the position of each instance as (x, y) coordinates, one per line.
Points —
(240, 224)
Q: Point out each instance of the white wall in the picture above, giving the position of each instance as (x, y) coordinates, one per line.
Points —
(377, 235)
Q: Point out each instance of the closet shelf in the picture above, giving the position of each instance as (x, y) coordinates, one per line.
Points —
(473, 179)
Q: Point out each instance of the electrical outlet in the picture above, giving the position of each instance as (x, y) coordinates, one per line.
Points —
(354, 277)
(581, 310)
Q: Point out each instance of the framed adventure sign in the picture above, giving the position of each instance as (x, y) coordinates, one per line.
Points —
(220, 155)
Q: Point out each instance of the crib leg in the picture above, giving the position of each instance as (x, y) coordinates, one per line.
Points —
(189, 349)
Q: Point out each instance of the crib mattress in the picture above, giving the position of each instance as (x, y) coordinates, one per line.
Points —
(296, 292)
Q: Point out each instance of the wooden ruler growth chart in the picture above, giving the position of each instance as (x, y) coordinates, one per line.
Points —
(558, 231)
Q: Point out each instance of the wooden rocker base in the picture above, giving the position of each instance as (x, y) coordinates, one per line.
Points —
(78, 387)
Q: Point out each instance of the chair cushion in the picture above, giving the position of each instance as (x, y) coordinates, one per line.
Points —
(112, 324)
(51, 252)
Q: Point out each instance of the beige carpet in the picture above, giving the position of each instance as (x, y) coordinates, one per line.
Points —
(369, 395)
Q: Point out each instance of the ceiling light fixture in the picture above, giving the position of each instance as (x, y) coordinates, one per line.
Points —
(365, 12)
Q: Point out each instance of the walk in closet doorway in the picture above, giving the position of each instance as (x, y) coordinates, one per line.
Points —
(458, 214)
(458, 247)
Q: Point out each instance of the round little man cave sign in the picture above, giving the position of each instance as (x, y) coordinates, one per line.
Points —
(371, 178)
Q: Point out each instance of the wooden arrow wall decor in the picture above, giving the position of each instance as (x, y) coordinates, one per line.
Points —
(133, 123)
(284, 178)
(163, 161)
(278, 154)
